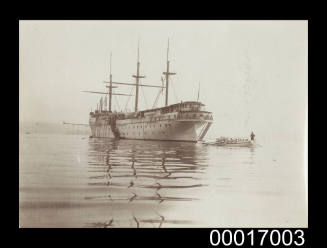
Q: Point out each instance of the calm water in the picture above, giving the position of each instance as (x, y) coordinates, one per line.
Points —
(76, 181)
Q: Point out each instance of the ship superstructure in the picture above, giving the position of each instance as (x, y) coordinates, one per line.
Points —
(184, 121)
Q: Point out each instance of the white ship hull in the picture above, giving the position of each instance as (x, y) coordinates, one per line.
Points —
(166, 130)
(173, 130)
(178, 122)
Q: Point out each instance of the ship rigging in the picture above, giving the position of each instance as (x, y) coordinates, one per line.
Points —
(185, 121)
(137, 84)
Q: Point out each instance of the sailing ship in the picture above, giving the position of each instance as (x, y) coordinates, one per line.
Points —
(184, 121)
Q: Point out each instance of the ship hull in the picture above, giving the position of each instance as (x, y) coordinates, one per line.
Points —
(101, 131)
(189, 131)
(170, 131)
(178, 122)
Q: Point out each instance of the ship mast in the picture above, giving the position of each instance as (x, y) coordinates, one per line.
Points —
(110, 87)
(137, 82)
(137, 77)
(167, 73)
(109, 91)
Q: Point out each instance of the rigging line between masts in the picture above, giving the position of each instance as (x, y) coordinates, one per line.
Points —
(137, 79)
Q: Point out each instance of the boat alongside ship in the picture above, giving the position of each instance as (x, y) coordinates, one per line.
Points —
(184, 121)
(233, 142)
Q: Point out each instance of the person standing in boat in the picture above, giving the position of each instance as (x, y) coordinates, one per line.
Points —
(252, 136)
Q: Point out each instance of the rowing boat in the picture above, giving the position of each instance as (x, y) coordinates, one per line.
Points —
(231, 142)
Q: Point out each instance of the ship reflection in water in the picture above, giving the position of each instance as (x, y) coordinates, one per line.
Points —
(77, 181)
(145, 177)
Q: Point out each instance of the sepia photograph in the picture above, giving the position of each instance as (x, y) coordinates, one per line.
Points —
(163, 124)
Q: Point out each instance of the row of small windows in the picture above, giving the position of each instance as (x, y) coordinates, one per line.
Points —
(139, 134)
(185, 115)
(163, 118)
(146, 126)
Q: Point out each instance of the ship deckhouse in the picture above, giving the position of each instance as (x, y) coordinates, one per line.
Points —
(188, 109)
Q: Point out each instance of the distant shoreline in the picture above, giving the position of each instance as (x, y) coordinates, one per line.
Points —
(51, 128)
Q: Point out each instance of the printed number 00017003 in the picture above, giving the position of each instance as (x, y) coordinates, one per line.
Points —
(274, 237)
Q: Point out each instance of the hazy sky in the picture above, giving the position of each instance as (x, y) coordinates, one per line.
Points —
(253, 74)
